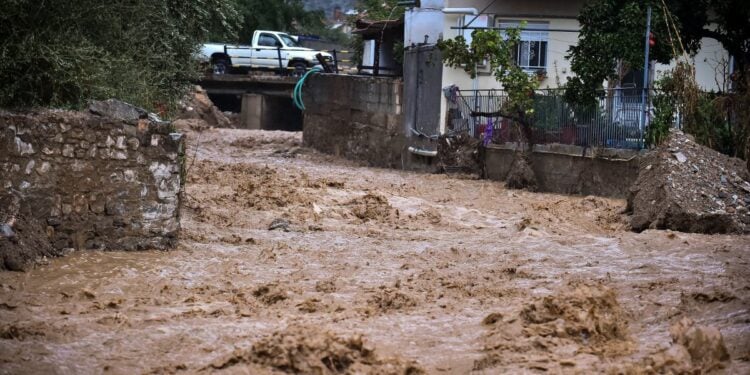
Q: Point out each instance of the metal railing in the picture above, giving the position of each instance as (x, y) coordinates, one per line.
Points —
(613, 121)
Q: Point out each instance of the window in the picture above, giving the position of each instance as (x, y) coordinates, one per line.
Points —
(289, 41)
(531, 53)
(268, 40)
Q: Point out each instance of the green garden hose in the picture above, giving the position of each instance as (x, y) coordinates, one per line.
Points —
(297, 95)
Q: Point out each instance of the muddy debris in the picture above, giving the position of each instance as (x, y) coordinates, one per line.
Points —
(459, 153)
(586, 318)
(271, 293)
(372, 207)
(197, 106)
(389, 299)
(279, 224)
(26, 239)
(521, 176)
(695, 349)
(300, 349)
(687, 187)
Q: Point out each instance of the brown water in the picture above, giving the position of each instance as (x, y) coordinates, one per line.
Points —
(412, 262)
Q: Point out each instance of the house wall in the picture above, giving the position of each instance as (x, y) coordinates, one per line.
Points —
(711, 66)
(94, 182)
(558, 67)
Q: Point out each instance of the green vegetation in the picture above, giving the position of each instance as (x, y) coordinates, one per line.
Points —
(63, 53)
(612, 37)
(609, 47)
(497, 50)
(283, 15)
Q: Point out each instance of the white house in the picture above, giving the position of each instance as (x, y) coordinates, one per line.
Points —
(551, 29)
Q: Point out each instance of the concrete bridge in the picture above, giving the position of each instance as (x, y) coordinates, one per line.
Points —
(264, 101)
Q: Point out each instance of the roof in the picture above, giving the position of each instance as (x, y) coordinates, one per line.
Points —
(366, 27)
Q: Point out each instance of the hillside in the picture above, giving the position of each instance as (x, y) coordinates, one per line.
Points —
(329, 5)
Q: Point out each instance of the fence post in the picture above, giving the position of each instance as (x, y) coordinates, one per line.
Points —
(644, 96)
(281, 65)
(335, 62)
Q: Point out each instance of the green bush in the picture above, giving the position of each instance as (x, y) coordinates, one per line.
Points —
(63, 53)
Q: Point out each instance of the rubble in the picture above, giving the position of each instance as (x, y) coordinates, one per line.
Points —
(687, 187)
(459, 153)
(198, 106)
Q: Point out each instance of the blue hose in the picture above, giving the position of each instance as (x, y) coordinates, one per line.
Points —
(297, 94)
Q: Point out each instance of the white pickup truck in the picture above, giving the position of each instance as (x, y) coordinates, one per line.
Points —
(269, 50)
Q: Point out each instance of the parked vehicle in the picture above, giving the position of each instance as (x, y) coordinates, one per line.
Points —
(269, 50)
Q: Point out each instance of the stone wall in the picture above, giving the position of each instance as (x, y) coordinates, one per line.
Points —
(356, 117)
(95, 182)
(570, 169)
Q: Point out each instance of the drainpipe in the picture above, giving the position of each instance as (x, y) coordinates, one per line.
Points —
(422, 152)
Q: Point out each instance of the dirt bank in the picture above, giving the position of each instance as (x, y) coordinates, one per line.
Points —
(23, 238)
(292, 261)
(688, 187)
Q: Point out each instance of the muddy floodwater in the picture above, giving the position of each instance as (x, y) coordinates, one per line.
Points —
(295, 262)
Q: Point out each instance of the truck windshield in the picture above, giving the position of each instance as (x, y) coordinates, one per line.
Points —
(289, 41)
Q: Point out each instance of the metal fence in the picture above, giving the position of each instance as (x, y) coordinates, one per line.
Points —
(614, 121)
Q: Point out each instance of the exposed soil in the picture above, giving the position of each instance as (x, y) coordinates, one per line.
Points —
(23, 240)
(295, 262)
(688, 187)
(197, 111)
(459, 153)
(520, 175)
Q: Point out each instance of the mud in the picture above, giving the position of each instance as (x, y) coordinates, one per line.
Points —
(301, 349)
(380, 271)
(691, 188)
(520, 175)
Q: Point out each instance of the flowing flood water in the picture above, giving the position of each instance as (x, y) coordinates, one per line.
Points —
(287, 255)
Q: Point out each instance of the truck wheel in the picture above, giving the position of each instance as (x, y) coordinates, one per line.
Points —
(220, 66)
(299, 68)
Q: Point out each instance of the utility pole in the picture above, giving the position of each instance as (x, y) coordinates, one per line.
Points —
(646, 69)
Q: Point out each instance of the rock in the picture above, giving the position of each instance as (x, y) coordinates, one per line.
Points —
(680, 157)
(117, 109)
(279, 224)
(13, 263)
(6, 231)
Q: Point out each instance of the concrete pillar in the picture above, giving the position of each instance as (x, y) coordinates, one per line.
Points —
(253, 107)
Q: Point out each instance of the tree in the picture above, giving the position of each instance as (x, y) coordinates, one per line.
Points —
(63, 53)
(375, 10)
(279, 15)
(497, 49)
(612, 37)
(611, 43)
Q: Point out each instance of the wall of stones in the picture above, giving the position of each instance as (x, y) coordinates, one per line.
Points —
(96, 182)
(356, 117)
